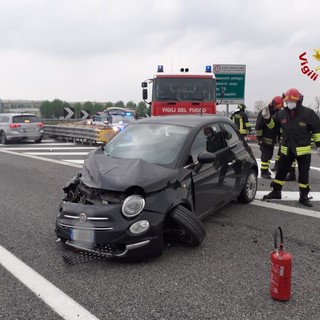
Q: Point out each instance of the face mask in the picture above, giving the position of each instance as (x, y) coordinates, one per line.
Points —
(291, 105)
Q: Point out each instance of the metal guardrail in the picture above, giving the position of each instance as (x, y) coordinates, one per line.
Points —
(86, 134)
(79, 133)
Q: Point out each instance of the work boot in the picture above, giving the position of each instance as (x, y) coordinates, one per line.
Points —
(291, 176)
(265, 173)
(275, 167)
(304, 199)
(275, 194)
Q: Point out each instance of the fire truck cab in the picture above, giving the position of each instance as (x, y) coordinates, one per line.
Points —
(181, 93)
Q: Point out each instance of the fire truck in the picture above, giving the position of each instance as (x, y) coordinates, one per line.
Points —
(181, 93)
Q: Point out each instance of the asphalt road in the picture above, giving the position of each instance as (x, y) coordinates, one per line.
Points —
(227, 277)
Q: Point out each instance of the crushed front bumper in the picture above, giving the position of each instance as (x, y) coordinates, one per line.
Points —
(104, 231)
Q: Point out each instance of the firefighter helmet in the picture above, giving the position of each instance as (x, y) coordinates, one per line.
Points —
(292, 95)
(241, 107)
(277, 102)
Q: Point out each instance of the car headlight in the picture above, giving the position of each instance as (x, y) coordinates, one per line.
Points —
(139, 227)
(116, 129)
(132, 206)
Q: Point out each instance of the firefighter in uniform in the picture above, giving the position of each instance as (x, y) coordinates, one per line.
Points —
(267, 137)
(299, 124)
(292, 172)
(240, 118)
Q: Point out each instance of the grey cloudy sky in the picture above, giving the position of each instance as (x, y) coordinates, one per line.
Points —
(101, 50)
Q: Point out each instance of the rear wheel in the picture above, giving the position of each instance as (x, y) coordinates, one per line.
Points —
(191, 229)
(249, 189)
(3, 138)
(38, 140)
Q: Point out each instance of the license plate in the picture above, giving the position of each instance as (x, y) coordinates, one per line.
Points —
(82, 235)
(29, 129)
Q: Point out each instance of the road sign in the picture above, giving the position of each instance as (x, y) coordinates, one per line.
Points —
(84, 114)
(68, 113)
(230, 83)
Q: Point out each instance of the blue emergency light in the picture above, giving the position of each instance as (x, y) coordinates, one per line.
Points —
(208, 69)
(160, 68)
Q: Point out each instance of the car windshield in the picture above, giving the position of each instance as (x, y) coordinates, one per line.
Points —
(202, 89)
(155, 143)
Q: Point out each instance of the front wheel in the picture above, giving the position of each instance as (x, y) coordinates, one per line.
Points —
(38, 140)
(192, 231)
(250, 186)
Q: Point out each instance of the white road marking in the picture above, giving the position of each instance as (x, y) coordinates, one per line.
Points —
(74, 161)
(281, 207)
(290, 195)
(42, 159)
(56, 153)
(43, 143)
(61, 303)
(49, 148)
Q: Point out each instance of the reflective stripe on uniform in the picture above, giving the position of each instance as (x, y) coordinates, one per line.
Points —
(303, 150)
(278, 182)
(267, 140)
(316, 137)
(271, 124)
(264, 165)
(284, 150)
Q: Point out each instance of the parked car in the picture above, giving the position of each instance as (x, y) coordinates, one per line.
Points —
(20, 126)
(121, 120)
(116, 121)
(100, 119)
(156, 180)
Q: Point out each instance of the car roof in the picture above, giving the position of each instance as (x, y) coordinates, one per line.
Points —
(185, 120)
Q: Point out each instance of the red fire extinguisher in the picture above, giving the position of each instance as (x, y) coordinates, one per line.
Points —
(281, 261)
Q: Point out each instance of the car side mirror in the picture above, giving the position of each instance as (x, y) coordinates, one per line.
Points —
(207, 157)
(144, 94)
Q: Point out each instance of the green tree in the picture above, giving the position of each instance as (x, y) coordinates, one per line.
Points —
(45, 109)
(57, 107)
(88, 105)
(142, 110)
(98, 107)
(77, 107)
(131, 105)
(109, 104)
(119, 104)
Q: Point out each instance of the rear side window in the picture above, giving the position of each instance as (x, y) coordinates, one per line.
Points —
(4, 119)
(25, 119)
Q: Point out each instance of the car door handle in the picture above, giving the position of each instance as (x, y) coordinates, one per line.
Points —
(231, 162)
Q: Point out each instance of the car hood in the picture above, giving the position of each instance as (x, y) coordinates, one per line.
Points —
(102, 172)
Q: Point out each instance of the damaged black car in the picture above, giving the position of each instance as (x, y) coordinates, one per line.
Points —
(156, 180)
